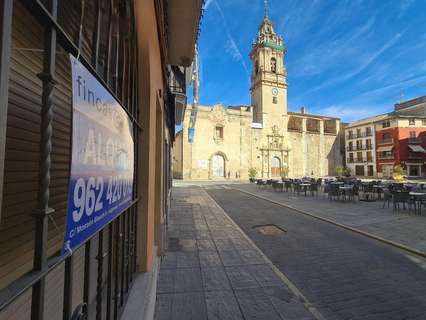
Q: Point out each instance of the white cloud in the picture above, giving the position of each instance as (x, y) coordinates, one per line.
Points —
(364, 64)
(207, 3)
(350, 113)
(326, 55)
(405, 5)
(231, 46)
(396, 87)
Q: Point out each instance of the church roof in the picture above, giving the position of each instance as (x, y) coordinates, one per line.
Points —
(238, 107)
(307, 115)
(368, 120)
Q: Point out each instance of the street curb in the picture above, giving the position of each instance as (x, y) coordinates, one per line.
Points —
(364, 233)
(300, 296)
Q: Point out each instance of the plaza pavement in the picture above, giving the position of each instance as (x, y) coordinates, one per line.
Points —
(397, 226)
(343, 274)
(212, 271)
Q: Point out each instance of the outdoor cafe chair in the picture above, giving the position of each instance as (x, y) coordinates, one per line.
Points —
(326, 187)
(297, 188)
(260, 183)
(387, 197)
(334, 192)
(354, 192)
(313, 188)
(277, 186)
(367, 192)
(401, 197)
(287, 186)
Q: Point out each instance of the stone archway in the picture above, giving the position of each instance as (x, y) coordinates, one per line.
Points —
(218, 166)
(275, 167)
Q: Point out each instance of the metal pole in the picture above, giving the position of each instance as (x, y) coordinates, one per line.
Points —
(43, 211)
(99, 286)
(96, 35)
(68, 288)
(6, 10)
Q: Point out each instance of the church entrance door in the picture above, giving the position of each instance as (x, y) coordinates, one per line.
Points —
(218, 166)
(276, 167)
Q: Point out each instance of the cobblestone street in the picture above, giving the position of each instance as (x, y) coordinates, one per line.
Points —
(343, 274)
(211, 271)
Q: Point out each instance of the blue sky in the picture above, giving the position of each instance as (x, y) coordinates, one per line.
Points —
(346, 58)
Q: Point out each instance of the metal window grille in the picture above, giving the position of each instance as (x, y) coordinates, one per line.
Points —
(111, 57)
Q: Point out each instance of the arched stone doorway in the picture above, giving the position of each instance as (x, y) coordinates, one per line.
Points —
(218, 166)
(275, 167)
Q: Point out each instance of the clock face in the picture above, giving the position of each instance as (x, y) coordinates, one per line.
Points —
(274, 91)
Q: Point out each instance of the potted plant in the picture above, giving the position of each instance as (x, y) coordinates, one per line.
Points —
(399, 173)
(346, 172)
(252, 173)
(284, 172)
(339, 171)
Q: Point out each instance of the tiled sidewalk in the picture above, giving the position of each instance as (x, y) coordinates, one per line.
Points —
(212, 272)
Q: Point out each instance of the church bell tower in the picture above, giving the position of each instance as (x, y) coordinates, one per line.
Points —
(269, 77)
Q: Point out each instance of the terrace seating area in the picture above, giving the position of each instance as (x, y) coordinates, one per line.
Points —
(401, 196)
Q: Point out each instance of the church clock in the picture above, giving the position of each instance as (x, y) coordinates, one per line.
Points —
(274, 92)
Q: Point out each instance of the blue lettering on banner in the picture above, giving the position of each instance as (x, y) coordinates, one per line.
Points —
(102, 161)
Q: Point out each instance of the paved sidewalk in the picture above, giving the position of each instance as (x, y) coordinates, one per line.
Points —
(212, 271)
(401, 227)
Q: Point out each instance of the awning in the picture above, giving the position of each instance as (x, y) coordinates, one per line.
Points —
(183, 23)
(416, 148)
(384, 149)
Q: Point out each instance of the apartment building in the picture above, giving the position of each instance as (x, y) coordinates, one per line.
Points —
(375, 145)
(401, 139)
(360, 147)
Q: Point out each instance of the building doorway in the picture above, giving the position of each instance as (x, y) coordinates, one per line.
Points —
(359, 171)
(387, 171)
(370, 171)
(275, 167)
(218, 166)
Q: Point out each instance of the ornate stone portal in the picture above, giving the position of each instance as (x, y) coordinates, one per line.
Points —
(276, 147)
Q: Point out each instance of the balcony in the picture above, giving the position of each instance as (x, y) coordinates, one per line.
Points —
(356, 160)
(386, 156)
(415, 140)
(359, 148)
(415, 156)
(385, 141)
(358, 136)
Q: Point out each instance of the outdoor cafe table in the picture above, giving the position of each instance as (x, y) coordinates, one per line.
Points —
(418, 197)
(305, 186)
(377, 189)
(345, 189)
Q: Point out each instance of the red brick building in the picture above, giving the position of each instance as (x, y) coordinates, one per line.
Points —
(401, 139)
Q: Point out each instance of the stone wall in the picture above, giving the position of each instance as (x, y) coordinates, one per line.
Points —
(241, 147)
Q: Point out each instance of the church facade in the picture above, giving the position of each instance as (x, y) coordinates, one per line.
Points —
(265, 136)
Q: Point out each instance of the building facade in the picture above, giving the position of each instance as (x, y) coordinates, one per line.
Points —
(401, 139)
(361, 147)
(264, 136)
(133, 49)
(375, 145)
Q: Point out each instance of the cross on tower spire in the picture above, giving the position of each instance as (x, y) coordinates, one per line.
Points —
(266, 8)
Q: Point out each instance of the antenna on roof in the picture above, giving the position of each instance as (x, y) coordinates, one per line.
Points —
(266, 8)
